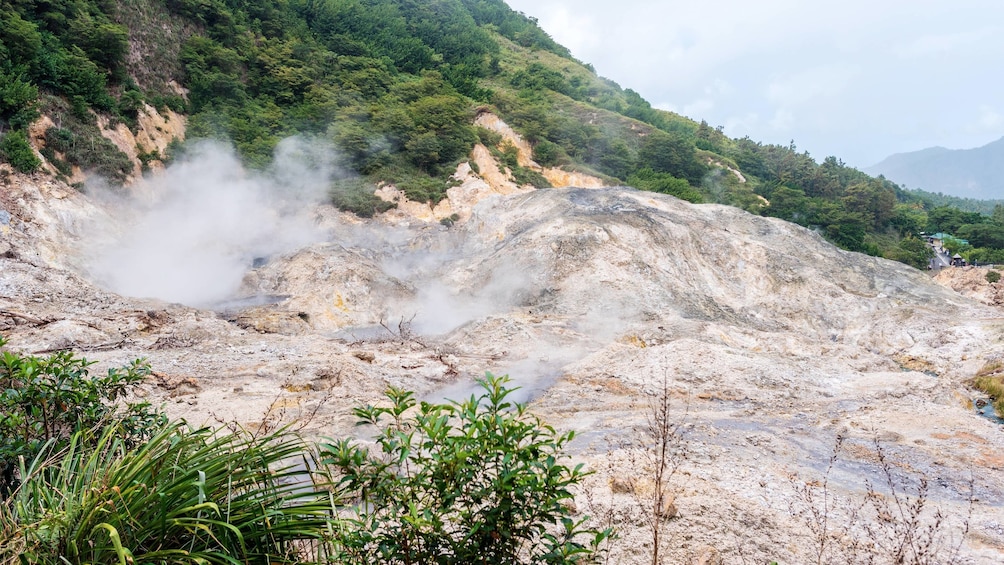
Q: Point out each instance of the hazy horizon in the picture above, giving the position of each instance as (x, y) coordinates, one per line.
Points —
(858, 80)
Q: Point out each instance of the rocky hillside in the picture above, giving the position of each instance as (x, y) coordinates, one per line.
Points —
(771, 343)
(395, 88)
(258, 300)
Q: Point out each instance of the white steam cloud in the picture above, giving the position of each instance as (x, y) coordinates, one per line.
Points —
(196, 229)
(441, 310)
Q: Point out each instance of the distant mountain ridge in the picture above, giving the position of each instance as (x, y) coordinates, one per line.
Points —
(969, 173)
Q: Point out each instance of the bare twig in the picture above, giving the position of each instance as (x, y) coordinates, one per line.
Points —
(404, 332)
(894, 522)
(664, 446)
(817, 507)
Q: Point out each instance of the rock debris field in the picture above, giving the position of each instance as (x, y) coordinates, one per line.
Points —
(769, 342)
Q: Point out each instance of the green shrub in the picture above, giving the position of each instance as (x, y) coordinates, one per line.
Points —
(47, 400)
(15, 149)
(546, 153)
(524, 176)
(90, 151)
(487, 137)
(509, 155)
(420, 188)
(18, 97)
(62, 166)
(356, 196)
(477, 481)
(993, 276)
(647, 179)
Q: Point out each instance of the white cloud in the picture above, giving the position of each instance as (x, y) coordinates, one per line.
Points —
(808, 85)
(947, 43)
(783, 120)
(864, 79)
(698, 107)
(988, 120)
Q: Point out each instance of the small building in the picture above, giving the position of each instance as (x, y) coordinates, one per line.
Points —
(958, 261)
(937, 239)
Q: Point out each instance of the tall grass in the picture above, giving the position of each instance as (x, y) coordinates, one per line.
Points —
(990, 380)
(186, 496)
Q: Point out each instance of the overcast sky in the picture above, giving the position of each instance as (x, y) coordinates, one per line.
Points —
(858, 79)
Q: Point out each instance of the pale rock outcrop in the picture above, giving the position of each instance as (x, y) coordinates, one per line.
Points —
(559, 178)
(972, 282)
(494, 123)
(491, 179)
(771, 342)
(155, 131)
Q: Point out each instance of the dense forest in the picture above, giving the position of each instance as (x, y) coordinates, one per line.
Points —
(394, 85)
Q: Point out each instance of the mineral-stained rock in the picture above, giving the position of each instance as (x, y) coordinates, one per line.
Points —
(708, 556)
(769, 341)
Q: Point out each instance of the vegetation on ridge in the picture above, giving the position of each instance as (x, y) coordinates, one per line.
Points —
(395, 85)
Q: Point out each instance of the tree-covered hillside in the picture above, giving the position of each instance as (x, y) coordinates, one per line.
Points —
(395, 85)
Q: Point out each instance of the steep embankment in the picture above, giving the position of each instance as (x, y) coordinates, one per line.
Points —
(972, 282)
(770, 341)
(482, 176)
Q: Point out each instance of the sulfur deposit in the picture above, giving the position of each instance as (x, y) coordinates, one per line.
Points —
(769, 341)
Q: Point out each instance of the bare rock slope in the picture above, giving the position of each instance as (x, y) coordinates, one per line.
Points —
(771, 342)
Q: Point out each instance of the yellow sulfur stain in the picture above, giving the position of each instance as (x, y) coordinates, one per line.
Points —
(340, 303)
(286, 402)
(637, 341)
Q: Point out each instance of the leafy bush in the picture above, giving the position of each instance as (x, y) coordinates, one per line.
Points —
(487, 137)
(993, 276)
(18, 97)
(15, 149)
(89, 150)
(477, 481)
(48, 400)
(423, 189)
(524, 176)
(647, 179)
(357, 196)
(546, 153)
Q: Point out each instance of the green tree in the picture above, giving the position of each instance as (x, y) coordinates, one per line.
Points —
(18, 97)
(870, 200)
(665, 183)
(15, 149)
(20, 39)
(788, 204)
(946, 219)
(671, 153)
(982, 235)
(997, 216)
(477, 481)
(908, 219)
(912, 251)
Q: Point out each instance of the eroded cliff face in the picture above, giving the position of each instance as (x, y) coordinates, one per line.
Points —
(155, 131)
(972, 282)
(770, 341)
(482, 176)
